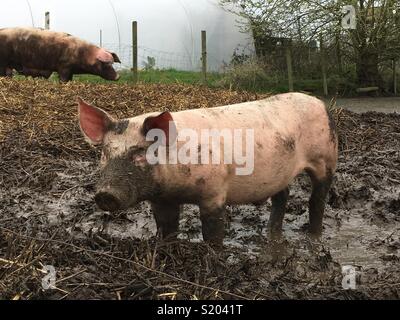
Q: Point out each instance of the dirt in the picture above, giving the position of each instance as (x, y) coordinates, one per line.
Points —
(48, 216)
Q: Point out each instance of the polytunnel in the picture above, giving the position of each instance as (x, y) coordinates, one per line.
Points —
(168, 30)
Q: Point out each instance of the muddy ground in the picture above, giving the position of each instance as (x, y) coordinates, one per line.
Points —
(48, 216)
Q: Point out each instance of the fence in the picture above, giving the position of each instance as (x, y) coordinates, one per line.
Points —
(291, 60)
(286, 58)
(196, 61)
(326, 61)
(163, 59)
(151, 58)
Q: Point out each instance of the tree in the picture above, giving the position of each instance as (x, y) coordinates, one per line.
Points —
(375, 40)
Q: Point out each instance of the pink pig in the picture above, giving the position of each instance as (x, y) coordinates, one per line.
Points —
(293, 132)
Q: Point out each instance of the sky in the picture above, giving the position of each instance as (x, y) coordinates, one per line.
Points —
(168, 30)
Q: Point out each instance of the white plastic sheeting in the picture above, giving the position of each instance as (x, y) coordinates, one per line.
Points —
(168, 30)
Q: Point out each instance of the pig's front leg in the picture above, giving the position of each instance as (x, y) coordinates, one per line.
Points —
(65, 75)
(166, 215)
(212, 223)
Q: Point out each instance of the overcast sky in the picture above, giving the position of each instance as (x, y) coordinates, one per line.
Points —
(169, 30)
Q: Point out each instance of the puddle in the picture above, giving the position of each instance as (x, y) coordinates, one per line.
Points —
(354, 236)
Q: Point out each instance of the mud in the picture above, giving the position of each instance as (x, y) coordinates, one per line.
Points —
(48, 215)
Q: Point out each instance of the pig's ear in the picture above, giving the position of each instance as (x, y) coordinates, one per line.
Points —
(116, 58)
(104, 56)
(93, 121)
(164, 122)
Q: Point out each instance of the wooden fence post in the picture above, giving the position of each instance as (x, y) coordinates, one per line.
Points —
(394, 77)
(288, 53)
(339, 55)
(134, 52)
(204, 56)
(323, 66)
(47, 20)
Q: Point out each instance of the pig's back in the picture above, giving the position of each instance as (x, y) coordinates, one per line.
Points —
(288, 128)
(38, 48)
(279, 111)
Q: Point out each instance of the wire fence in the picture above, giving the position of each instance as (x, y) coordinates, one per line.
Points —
(162, 59)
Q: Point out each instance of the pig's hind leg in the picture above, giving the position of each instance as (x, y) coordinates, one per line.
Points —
(212, 224)
(320, 190)
(275, 221)
(3, 71)
(166, 215)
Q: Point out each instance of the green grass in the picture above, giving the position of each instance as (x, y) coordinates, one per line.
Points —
(167, 76)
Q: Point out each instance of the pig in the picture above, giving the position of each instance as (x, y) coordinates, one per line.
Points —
(35, 73)
(8, 72)
(45, 51)
(293, 132)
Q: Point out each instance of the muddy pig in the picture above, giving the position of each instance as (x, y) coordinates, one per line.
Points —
(48, 51)
(9, 72)
(34, 73)
(6, 71)
(292, 132)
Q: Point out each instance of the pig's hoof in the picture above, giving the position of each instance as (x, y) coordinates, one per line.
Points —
(172, 237)
(274, 235)
(314, 236)
(314, 232)
(216, 245)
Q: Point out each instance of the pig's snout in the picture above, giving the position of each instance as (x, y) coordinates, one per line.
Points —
(108, 201)
(112, 199)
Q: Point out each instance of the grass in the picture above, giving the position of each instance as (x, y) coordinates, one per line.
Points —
(260, 83)
(166, 76)
(170, 76)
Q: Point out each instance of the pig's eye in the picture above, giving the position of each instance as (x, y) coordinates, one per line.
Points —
(103, 157)
(105, 64)
(139, 159)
